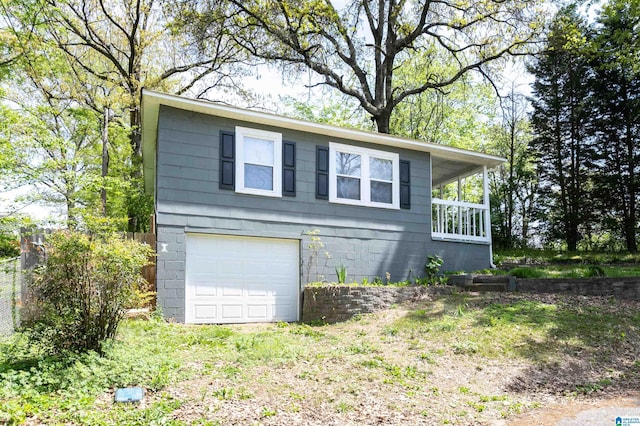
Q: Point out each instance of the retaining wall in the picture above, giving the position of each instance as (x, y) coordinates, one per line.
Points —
(628, 288)
(339, 303)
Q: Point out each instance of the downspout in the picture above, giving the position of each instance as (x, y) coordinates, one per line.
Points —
(487, 216)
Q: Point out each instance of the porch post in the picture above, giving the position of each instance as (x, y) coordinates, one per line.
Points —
(459, 209)
(487, 212)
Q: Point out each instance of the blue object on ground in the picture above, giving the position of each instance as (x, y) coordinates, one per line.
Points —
(133, 394)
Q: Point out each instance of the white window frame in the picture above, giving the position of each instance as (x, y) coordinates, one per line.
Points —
(365, 176)
(241, 134)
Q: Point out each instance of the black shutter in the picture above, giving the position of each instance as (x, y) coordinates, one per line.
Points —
(322, 172)
(289, 169)
(227, 160)
(405, 184)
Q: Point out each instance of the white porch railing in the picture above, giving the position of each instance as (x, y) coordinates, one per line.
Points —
(458, 220)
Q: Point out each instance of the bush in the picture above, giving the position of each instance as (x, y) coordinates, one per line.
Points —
(527, 273)
(80, 293)
(9, 245)
(431, 269)
(595, 271)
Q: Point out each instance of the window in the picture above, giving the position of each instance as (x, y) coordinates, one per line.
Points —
(363, 176)
(259, 162)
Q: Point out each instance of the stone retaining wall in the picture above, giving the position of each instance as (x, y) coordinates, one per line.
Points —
(628, 288)
(339, 303)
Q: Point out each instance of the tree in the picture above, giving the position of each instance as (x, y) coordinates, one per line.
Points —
(52, 135)
(615, 112)
(514, 185)
(121, 46)
(335, 110)
(459, 117)
(359, 50)
(559, 119)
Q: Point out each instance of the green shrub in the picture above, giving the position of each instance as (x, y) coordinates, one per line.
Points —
(594, 271)
(431, 269)
(527, 273)
(78, 296)
(9, 245)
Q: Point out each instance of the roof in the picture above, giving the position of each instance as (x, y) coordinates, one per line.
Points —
(448, 163)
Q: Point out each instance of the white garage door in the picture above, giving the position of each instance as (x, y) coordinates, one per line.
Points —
(240, 279)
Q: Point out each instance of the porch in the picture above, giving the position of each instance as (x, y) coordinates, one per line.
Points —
(460, 209)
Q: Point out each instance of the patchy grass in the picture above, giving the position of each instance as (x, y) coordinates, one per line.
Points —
(570, 271)
(537, 257)
(457, 359)
(532, 263)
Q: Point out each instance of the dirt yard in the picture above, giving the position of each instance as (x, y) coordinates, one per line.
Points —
(464, 361)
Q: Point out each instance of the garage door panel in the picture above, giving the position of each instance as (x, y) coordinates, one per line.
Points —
(281, 311)
(262, 268)
(257, 311)
(226, 265)
(232, 312)
(232, 289)
(241, 279)
(256, 291)
(205, 289)
(205, 311)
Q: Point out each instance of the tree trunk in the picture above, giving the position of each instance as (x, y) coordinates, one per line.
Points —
(630, 225)
(71, 221)
(383, 121)
(105, 161)
(134, 222)
(572, 236)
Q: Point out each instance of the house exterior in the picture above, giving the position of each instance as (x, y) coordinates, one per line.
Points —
(252, 206)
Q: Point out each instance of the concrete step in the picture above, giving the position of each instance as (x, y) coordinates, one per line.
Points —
(485, 287)
(491, 279)
(472, 282)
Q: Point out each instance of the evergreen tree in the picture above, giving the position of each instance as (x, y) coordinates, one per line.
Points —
(615, 116)
(559, 119)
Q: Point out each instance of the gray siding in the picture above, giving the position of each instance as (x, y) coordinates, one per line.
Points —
(369, 241)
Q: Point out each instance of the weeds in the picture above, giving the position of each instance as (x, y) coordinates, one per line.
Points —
(215, 368)
(223, 393)
(432, 266)
(341, 273)
(344, 407)
(267, 412)
(315, 246)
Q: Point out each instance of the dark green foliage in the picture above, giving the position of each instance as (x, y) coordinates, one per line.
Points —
(559, 119)
(595, 271)
(587, 121)
(615, 116)
(540, 257)
(78, 297)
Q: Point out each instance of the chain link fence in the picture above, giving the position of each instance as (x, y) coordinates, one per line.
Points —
(10, 295)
